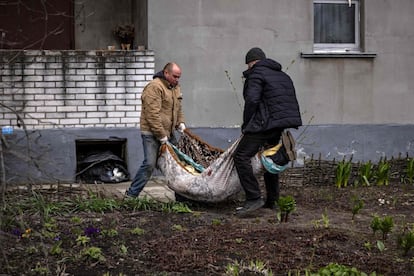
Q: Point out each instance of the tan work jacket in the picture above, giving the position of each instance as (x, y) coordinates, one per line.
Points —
(161, 108)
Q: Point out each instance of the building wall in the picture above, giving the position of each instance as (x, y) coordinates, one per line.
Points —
(359, 106)
(95, 21)
(351, 106)
(209, 39)
(53, 98)
(55, 89)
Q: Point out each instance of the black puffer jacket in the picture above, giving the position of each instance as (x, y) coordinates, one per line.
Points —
(269, 99)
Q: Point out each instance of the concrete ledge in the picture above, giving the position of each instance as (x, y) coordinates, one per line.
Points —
(51, 157)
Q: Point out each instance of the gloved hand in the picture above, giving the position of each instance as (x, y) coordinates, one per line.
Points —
(164, 140)
(181, 127)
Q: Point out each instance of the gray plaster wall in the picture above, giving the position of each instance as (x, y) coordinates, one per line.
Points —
(210, 38)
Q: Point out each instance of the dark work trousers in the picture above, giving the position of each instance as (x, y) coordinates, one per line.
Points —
(249, 145)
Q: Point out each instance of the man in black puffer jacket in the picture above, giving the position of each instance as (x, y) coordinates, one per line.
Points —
(270, 106)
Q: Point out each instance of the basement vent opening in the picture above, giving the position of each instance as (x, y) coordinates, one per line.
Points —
(101, 161)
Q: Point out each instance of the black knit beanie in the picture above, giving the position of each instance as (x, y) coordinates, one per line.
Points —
(255, 54)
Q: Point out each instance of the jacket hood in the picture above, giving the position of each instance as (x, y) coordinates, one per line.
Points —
(160, 75)
(269, 63)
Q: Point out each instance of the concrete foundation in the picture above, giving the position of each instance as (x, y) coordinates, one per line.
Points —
(49, 156)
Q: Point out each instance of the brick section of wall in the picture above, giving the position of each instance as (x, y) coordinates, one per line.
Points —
(53, 89)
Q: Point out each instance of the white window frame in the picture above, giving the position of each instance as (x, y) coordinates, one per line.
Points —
(341, 47)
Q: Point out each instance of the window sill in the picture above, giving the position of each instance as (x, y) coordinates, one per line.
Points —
(339, 55)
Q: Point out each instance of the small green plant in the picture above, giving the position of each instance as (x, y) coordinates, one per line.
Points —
(239, 240)
(179, 207)
(56, 249)
(96, 203)
(387, 225)
(368, 245)
(123, 249)
(32, 250)
(366, 173)
(380, 246)
(253, 268)
(233, 269)
(375, 224)
(110, 233)
(76, 220)
(138, 231)
(196, 214)
(357, 205)
(93, 253)
(324, 220)
(50, 225)
(287, 205)
(338, 269)
(409, 172)
(384, 225)
(406, 242)
(216, 222)
(37, 202)
(382, 174)
(144, 203)
(343, 173)
(82, 240)
(40, 270)
(177, 227)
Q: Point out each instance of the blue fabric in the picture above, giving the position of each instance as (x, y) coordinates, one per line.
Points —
(267, 162)
(187, 159)
(270, 166)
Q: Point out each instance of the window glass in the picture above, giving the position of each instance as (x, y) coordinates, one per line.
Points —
(336, 25)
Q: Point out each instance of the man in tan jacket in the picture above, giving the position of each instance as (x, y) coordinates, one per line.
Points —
(161, 114)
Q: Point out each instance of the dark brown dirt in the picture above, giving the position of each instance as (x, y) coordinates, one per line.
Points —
(320, 231)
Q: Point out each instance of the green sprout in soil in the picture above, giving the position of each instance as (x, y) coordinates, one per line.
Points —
(406, 242)
(177, 227)
(342, 173)
(144, 203)
(110, 233)
(179, 207)
(409, 172)
(253, 268)
(287, 205)
(216, 222)
(366, 173)
(138, 231)
(93, 253)
(323, 221)
(40, 270)
(368, 245)
(380, 246)
(56, 248)
(82, 240)
(382, 173)
(123, 249)
(76, 220)
(357, 205)
(338, 269)
(96, 203)
(384, 225)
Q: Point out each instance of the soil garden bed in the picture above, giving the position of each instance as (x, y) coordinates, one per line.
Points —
(73, 232)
